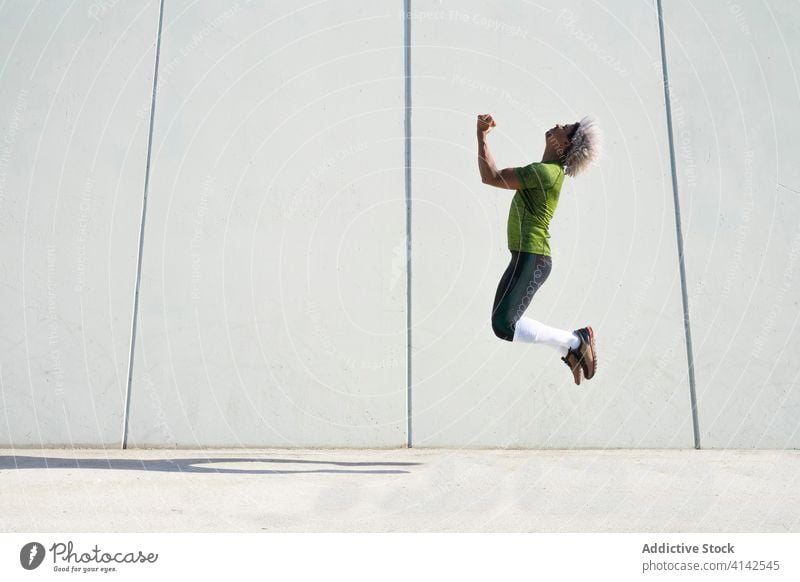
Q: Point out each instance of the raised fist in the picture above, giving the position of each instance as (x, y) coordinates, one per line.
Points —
(485, 123)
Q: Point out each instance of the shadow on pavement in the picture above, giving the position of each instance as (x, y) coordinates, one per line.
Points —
(194, 465)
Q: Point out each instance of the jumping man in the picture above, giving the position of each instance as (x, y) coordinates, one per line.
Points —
(569, 149)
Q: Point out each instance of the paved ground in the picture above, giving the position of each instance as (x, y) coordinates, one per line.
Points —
(399, 490)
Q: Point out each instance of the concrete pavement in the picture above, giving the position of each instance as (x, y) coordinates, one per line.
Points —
(310, 490)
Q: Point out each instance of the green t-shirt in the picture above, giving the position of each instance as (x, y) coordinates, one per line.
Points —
(533, 206)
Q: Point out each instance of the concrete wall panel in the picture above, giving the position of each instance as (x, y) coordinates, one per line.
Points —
(736, 94)
(273, 285)
(615, 263)
(273, 291)
(72, 157)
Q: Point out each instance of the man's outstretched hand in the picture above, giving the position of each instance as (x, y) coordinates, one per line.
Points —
(485, 123)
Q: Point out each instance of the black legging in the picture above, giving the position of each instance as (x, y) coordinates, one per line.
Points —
(524, 275)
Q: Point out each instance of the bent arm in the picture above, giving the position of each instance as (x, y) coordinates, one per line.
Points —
(506, 178)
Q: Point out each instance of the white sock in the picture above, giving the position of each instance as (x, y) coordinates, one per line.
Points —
(535, 332)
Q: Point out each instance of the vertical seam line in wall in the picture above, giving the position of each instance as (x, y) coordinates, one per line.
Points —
(407, 143)
(141, 232)
(679, 232)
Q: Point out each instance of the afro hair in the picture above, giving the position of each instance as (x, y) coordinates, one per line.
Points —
(585, 147)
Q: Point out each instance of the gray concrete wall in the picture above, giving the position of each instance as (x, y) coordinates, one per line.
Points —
(272, 312)
(613, 235)
(72, 158)
(736, 97)
(273, 289)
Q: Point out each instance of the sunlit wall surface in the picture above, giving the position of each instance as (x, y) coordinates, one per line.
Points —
(296, 290)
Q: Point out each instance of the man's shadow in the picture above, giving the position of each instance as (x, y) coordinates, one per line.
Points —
(195, 465)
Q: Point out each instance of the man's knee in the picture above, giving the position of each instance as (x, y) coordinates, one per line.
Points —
(503, 327)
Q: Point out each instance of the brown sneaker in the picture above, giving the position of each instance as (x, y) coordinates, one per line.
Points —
(572, 360)
(587, 355)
